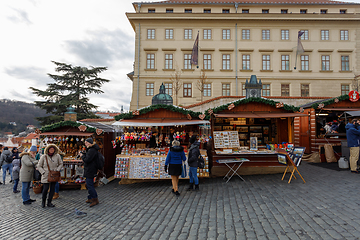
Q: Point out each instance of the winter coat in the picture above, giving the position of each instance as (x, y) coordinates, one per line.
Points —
(194, 153)
(16, 168)
(55, 162)
(352, 135)
(3, 157)
(27, 167)
(176, 155)
(89, 158)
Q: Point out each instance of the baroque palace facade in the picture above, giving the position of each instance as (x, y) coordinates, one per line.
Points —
(240, 38)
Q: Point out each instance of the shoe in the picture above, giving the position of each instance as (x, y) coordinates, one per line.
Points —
(89, 201)
(355, 171)
(0, 183)
(16, 191)
(95, 201)
(191, 187)
(172, 190)
(43, 203)
(56, 195)
(177, 193)
(50, 204)
(32, 200)
(11, 181)
(197, 188)
(27, 203)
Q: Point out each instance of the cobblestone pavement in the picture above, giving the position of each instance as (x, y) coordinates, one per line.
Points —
(262, 207)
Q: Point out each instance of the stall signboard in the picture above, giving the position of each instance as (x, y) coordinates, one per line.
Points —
(226, 139)
(253, 143)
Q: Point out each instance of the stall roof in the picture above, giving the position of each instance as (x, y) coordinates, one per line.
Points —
(353, 113)
(104, 127)
(259, 115)
(67, 133)
(157, 122)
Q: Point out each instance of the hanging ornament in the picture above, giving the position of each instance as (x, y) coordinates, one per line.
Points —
(210, 111)
(202, 116)
(37, 131)
(301, 110)
(336, 100)
(321, 105)
(82, 128)
(99, 131)
(136, 112)
(279, 105)
(353, 96)
(188, 116)
(231, 106)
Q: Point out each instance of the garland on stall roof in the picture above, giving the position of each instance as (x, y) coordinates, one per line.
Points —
(330, 101)
(51, 127)
(158, 106)
(252, 99)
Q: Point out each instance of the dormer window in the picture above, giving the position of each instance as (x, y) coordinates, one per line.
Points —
(169, 10)
(323, 11)
(152, 10)
(226, 11)
(303, 11)
(265, 11)
(207, 10)
(284, 11)
(245, 11)
(188, 10)
(342, 11)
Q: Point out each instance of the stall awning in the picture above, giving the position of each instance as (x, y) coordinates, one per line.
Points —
(67, 133)
(341, 109)
(353, 113)
(157, 122)
(260, 115)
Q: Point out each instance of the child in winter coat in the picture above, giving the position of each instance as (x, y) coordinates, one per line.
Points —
(16, 169)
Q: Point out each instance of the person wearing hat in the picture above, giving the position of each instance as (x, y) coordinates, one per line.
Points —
(90, 170)
(193, 156)
(6, 164)
(28, 164)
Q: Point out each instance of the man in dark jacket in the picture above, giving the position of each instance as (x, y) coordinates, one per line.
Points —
(194, 154)
(353, 136)
(90, 169)
(6, 163)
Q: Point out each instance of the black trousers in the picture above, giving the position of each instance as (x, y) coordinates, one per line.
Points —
(46, 189)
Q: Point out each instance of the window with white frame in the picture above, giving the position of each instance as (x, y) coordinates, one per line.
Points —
(226, 61)
(149, 89)
(265, 34)
(285, 62)
(207, 90)
(243, 89)
(246, 34)
(305, 35)
(246, 62)
(325, 62)
(304, 59)
(187, 90)
(169, 33)
(150, 61)
(168, 88)
(345, 88)
(266, 90)
(226, 89)
(305, 90)
(187, 61)
(265, 62)
(151, 34)
(345, 65)
(226, 34)
(207, 61)
(324, 35)
(207, 33)
(168, 61)
(344, 35)
(284, 34)
(285, 90)
(188, 34)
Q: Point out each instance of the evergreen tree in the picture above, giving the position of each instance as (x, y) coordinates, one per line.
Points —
(70, 89)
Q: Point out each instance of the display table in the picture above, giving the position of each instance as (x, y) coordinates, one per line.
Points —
(234, 161)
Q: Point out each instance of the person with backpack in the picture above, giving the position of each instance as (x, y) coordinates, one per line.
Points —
(15, 169)
(50, 160)
(6, 159)
(193, 157)
(91, 158)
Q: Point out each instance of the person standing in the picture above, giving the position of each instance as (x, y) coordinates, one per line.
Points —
(28, 163)
(173, 163)
(6, 159)
(353, 135)
(57, 185)
(51, 159)
(15, 169)
(90, 169)
(193, 156)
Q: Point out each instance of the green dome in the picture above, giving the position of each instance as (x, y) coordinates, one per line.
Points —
(162, 97)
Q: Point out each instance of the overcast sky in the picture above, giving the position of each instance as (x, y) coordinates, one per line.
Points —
(78, 32)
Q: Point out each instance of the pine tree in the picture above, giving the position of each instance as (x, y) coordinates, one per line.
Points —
(70, 89)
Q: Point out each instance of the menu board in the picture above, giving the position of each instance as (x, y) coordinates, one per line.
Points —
(226, 139)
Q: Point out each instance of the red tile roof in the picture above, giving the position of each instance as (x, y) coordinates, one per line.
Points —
(32, 136)
(253, 2)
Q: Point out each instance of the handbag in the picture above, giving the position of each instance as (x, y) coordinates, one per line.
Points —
(37, 174)
(53, 176)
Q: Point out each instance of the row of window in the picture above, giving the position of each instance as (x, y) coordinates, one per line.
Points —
(265, 34)
(285, 89)
(266, 62)
(227, 10)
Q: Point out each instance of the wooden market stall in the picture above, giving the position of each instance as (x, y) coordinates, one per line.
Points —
(147, 136)
(251, 128)
(69, 136)
(310, 132)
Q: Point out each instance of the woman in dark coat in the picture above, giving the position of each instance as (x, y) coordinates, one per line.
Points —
(194, 154)
(90, 169)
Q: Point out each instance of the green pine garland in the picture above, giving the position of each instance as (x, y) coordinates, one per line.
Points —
(253, 99)
(151, 108)
(330, 101)
(51, 127)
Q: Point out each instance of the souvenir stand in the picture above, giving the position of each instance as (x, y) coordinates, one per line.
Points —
(310, 132)
(146, 139)
(251, 128)
(70, 136)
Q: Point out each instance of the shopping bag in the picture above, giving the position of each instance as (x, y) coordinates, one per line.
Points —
(183, 170)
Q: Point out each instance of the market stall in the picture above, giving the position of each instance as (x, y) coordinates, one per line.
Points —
(147, 136)
(70, 136)
(331, 114)
(251, 128)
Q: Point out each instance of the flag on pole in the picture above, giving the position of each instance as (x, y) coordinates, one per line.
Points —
(300, 48)
(195, 50)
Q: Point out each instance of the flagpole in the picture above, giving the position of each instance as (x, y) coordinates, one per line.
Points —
(296, 59)
(197, 66)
